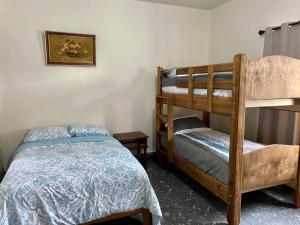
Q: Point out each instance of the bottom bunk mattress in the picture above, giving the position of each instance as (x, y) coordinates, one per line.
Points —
(74, 181)
(207, 149)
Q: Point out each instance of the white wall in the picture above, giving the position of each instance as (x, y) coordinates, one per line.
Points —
(133, 38)
(234, 29)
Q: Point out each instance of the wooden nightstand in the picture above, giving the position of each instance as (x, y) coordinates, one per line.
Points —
(135, 142)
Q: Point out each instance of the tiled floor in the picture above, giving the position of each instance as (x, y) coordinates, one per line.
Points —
(184, 202)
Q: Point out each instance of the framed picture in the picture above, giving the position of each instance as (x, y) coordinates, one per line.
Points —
(70, 49)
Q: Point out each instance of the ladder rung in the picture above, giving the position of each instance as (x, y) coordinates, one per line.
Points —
(162, 99)
(162, 133)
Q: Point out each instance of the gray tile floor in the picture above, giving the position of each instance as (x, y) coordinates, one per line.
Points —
(185, 202)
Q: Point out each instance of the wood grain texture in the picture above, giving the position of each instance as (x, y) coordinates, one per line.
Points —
(158, 84)
(200, 69)
(297, 183)
(130, 137)
(200, 103)
(178, 99)
(159, 123)
(210, 183)
(237, 139)
(170, 131)
(225, 85)
(269, 166)
(273, 77)
(224, 67)
(222, 106)
(288, 103)
(297, 186)
(265, 82)
(272, 80)
(190, 88)
(122, 215)
(210, 87)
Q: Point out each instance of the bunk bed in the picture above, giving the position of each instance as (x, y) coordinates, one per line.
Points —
(228, 89)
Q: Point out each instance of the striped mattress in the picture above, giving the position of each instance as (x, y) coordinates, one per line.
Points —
(208, 150)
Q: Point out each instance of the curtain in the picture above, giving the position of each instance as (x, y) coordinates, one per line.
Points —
(280, 126)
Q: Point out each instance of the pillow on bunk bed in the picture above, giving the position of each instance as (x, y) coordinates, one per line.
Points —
(170, 73)
(79, 130)
(48, 133)
(185, 123)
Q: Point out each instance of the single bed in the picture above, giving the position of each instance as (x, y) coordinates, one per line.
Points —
(74, 181)
(207, 149)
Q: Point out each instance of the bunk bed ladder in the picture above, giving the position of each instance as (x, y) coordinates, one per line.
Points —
(161, 131)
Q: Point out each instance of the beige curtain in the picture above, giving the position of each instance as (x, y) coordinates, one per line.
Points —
(280, 126)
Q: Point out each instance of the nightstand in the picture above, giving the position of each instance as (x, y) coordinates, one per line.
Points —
(135, 142)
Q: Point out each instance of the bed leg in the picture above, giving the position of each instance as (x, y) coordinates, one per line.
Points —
(297, 197)
(147, 217)
(234, 209)
(236, 140)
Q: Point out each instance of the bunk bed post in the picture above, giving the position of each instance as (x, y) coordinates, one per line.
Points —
(296, 141)
(236, 140)
(190, 88)
(158, 112)
(210, 87)
(158, 137)
(159, 73)
(170, 129)
(297, 189)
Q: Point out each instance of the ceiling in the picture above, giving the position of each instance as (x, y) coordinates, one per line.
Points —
(199, 4)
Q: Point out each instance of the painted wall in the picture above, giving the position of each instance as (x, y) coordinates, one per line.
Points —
(234, 29)
(133, 38)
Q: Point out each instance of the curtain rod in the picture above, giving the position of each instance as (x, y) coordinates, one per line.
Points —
(261, 32)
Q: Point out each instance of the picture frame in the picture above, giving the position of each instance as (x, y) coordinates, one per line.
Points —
(70, 48)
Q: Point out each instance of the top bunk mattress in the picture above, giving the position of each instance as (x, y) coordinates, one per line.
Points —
(169, 84)
(208, 150)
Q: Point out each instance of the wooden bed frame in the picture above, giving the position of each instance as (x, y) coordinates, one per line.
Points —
(265, 82)
(147, 217)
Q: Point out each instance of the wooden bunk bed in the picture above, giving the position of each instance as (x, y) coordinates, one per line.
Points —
(265, 82)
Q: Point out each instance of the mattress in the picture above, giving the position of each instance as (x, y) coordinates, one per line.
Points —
(208, 150)
(202, 92)
(169, 84)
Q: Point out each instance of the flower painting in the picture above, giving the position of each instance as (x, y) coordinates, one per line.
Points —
(69, 48)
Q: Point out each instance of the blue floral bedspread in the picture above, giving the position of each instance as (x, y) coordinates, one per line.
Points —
(73, 181)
